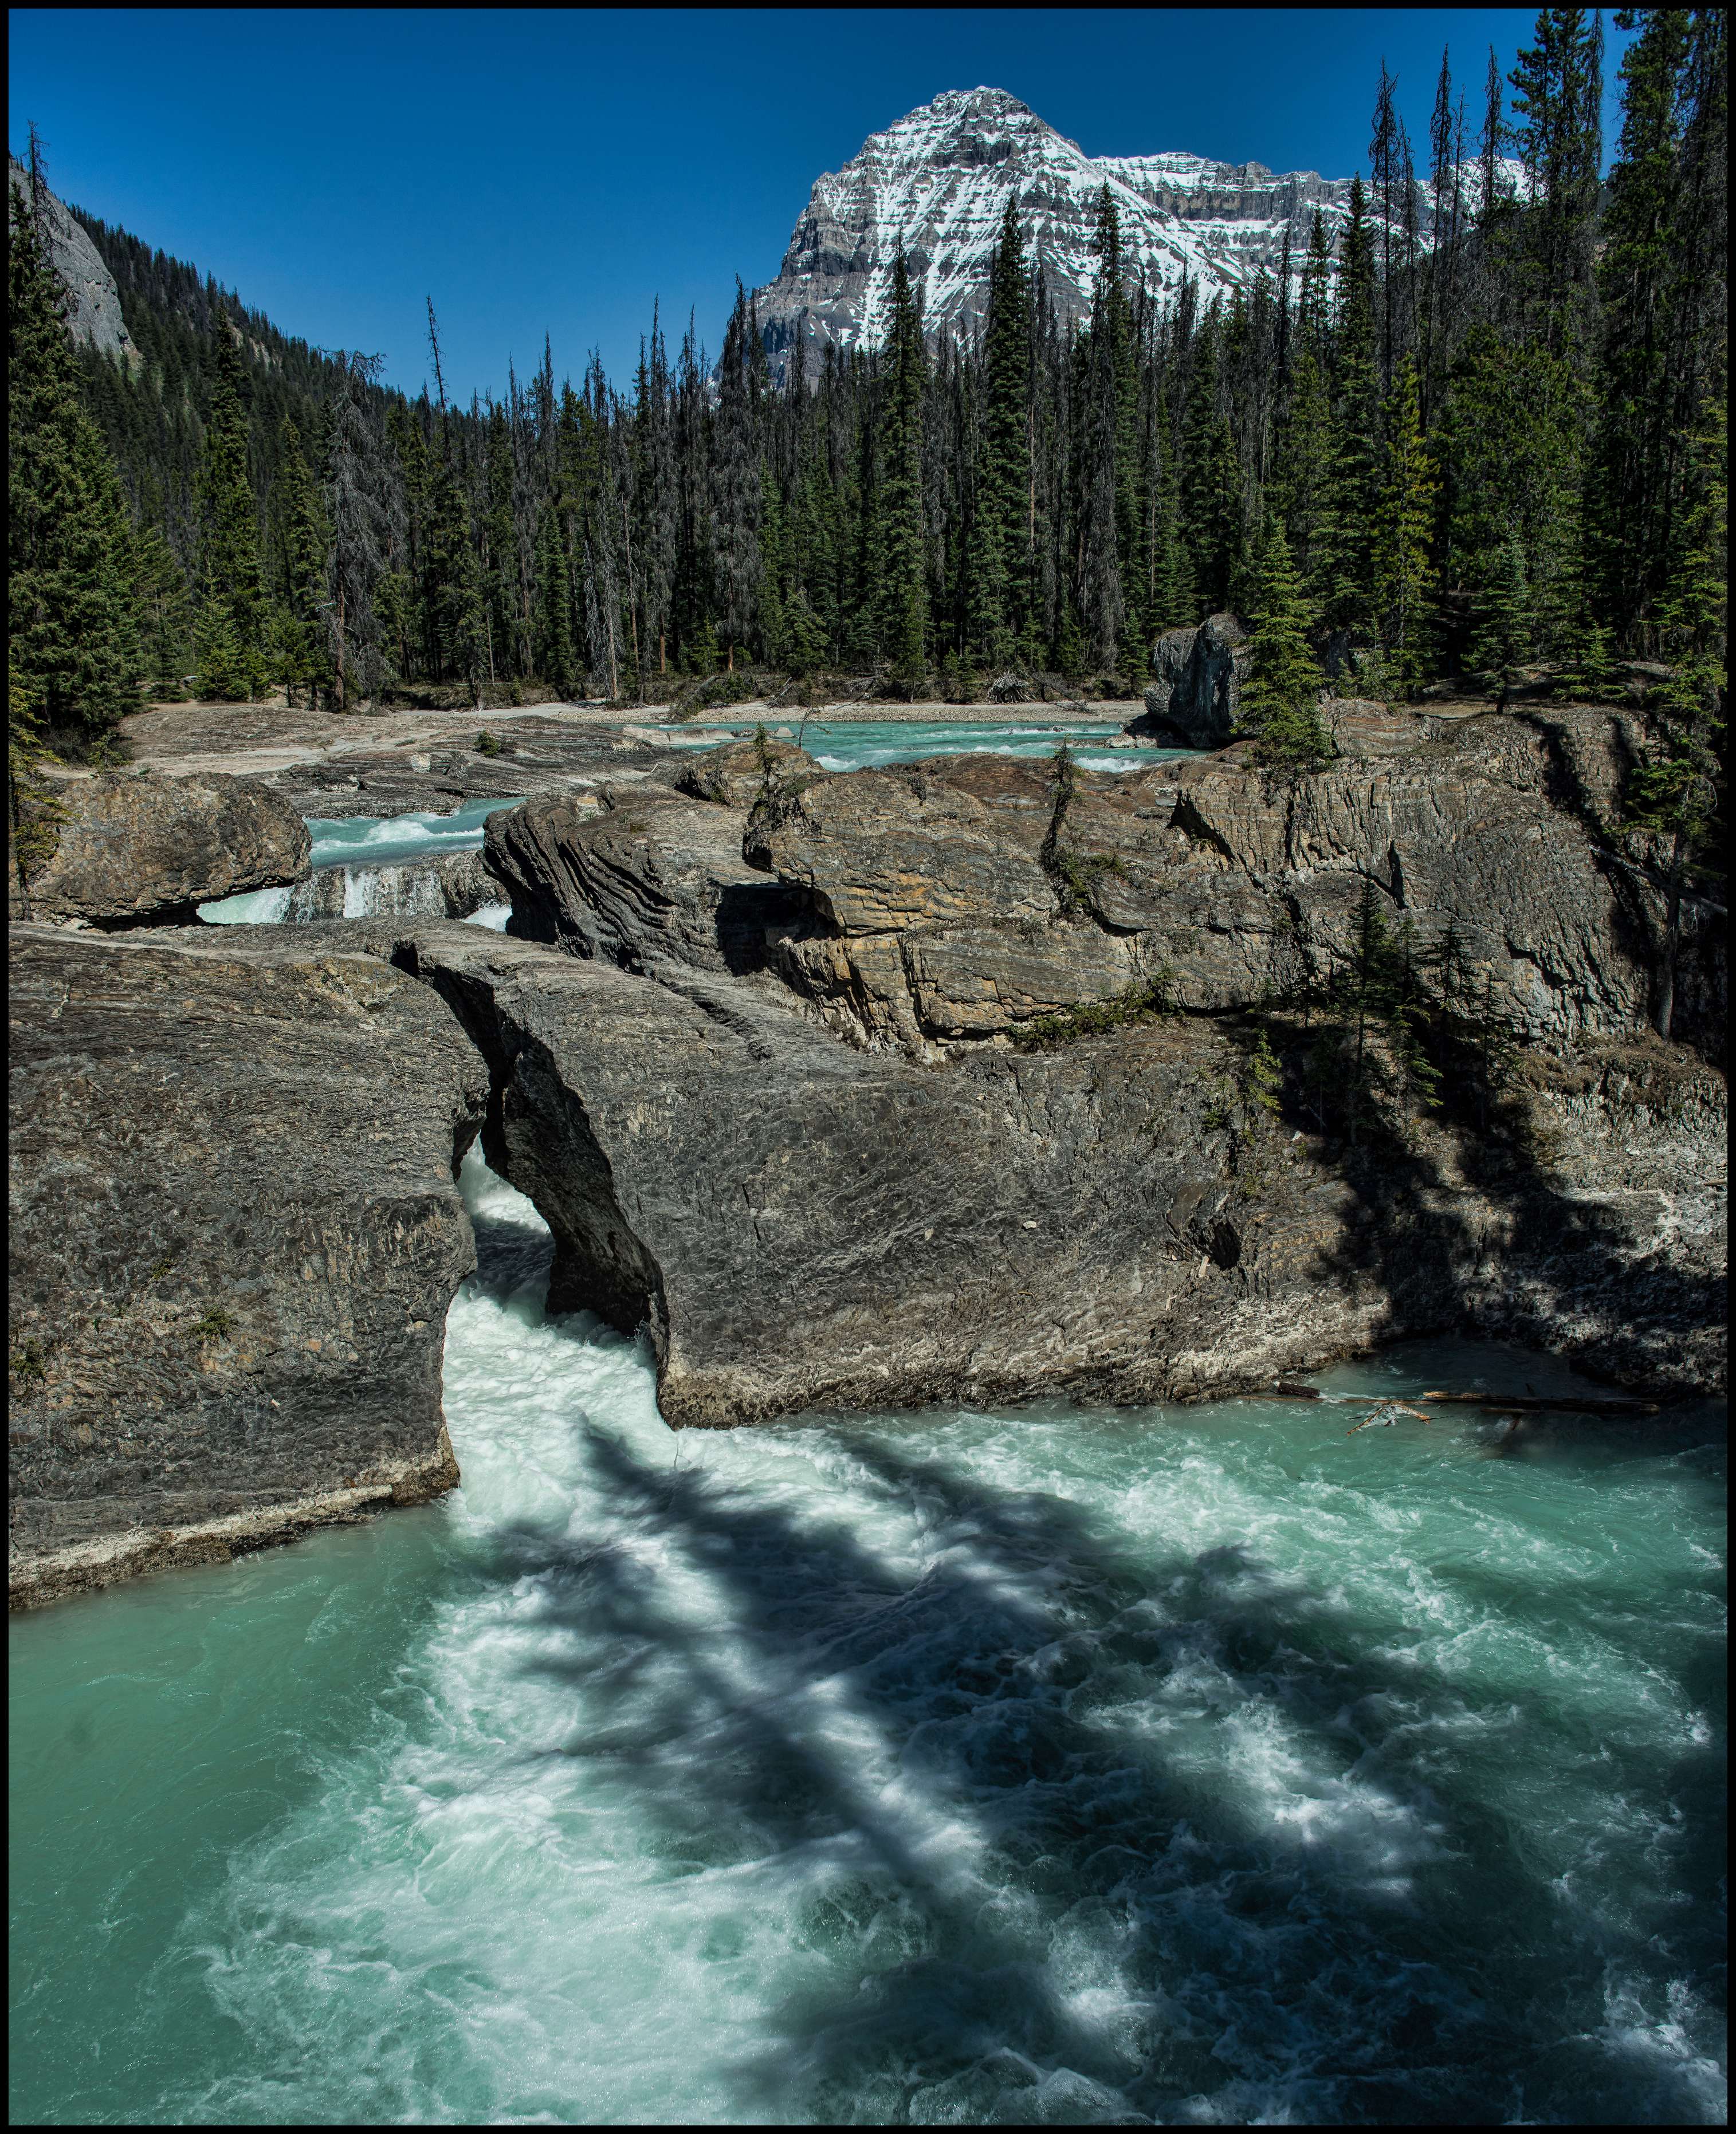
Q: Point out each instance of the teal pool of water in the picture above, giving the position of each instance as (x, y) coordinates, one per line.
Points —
(872, 744)
(1192, 1764)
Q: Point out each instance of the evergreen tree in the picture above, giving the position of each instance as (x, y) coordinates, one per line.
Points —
(501, 552)
(1281, 701)
(1211, 483)
(900, 556)
(1558, 86)
(552, 607)
(1661, 281)
(165, 614)
(1301, 482)
(357, 518)
(1507, 620)
(1344, 585)
(1403, 570)
(233, 626)
(301, 544)
(997, 564)
(1679, 794)
(71, 627)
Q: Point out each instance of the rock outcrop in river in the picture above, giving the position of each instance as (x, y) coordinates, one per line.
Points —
(121, 850)
(233, 1237)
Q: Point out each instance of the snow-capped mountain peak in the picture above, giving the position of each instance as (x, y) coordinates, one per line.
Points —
(938, 181)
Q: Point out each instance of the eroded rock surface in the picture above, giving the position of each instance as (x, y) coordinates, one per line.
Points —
(1195, 694)
(233, 1237)
(978, 883)
(801, 1224)
(650, 875)
(133, 850)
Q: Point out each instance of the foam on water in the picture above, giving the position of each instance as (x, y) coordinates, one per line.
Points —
(365, 839)
(1070, 1766)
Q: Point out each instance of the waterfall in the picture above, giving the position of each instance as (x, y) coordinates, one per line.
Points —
(454, 888)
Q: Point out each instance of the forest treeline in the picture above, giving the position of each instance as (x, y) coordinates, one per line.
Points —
(1502, 449)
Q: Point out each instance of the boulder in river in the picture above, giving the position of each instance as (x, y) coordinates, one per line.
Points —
(1197, 675)
(123, 849)
(233, 1236)
(734, 776)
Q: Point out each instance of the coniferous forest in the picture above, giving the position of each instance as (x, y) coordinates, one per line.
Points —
(1497, 462)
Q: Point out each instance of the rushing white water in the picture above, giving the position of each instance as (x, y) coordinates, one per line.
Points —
(1196, 1765)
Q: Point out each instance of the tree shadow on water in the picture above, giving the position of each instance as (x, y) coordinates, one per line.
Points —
(1073, 1830)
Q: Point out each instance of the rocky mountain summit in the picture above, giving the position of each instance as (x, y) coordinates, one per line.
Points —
(939, 180)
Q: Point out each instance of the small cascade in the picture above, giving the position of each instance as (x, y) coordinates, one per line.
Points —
(453, 887)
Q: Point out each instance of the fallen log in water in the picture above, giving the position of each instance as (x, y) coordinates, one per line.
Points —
(1532, 1403)
(1568, 1403)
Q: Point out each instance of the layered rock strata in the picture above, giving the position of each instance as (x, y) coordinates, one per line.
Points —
(233, 1236)
(121, 850)
(961, 897)
(799, 1224)
(651, 875)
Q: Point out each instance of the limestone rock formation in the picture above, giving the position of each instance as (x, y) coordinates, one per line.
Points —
(653, 875)
(801, 1224)
(233, 1236)
(1195, 695)
(1214, 880)
(133, 850)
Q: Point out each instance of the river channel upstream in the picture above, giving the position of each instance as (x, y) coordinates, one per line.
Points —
(1184, 1765)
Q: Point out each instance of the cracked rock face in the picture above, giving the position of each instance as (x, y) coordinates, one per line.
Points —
(1224, 884)
(941, 903)
(233, 1236)
(799, 1224)
(131, 851)
(93, 306)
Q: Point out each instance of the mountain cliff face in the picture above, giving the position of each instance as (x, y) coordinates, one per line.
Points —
(940, 179)
(94, 310)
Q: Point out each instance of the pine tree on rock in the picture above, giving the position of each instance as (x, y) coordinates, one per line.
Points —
(71, 625)
(1280, 703)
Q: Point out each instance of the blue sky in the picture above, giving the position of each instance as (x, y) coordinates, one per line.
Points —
(555, 171)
